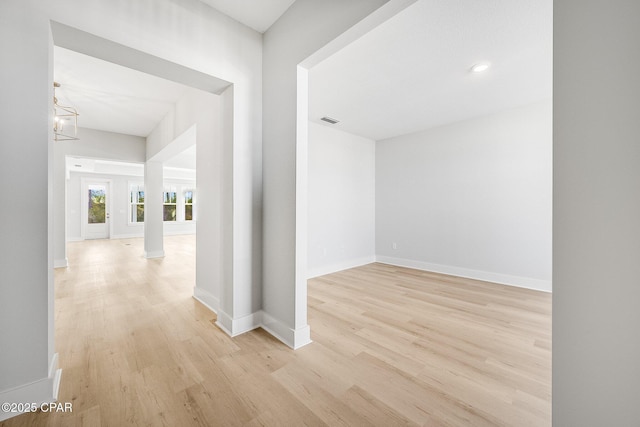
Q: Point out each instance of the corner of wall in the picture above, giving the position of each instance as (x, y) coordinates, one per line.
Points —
(234, 327)
(487, 276)
(207, 299)
(153, 254)
(294, 338)
(61, 263)
(36, 393)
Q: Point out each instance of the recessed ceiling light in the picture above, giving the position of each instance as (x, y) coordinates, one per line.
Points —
(480, 67)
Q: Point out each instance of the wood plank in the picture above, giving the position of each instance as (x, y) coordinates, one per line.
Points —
(392, 347)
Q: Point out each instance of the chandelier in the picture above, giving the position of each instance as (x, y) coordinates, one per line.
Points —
(65, 120)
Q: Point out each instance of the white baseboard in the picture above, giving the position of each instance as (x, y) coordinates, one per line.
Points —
(224, 322)
(153, 254)
(130, 236)
(333, 268)
(127, 236)
(56, 374)
(60, 263)
(294, 338)
(207, 299)
(232, 327)
(38, 392)
(240, 325)
(178, 232)
(504, 279)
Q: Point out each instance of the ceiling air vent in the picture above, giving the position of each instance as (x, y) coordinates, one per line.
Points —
(329, 120)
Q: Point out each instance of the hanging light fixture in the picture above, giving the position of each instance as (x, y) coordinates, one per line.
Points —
(65, 120)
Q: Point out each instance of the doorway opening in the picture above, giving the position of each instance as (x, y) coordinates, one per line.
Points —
(154, 113)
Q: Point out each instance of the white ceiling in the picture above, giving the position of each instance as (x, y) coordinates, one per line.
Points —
(409, 74)
(412, 72)
(257, 14)
(111, 97)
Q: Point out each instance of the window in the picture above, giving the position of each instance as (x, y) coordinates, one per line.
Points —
(188, 205)
(136, 203)
(170, 205)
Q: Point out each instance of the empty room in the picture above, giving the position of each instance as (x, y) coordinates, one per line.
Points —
(397, 204)
(429, 228)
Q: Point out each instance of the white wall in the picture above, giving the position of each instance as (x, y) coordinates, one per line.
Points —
(26, 262)
(98, 144)
(118, 202)
(596, 217)
(472, 198)
(596, 235)
(341, 202)
(119, 222)
(186, 32)
(223, 275)
(192, 34)
(94, 144)
(307, 26)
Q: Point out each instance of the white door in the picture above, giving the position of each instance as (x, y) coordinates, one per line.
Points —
(96, 210)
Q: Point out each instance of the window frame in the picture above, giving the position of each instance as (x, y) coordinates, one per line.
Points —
(135, 188)
(192, 204)
(168, 189)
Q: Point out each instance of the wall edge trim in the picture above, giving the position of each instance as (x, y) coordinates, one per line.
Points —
(334, 268)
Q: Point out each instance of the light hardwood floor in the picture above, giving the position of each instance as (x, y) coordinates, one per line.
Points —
(392, 346)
